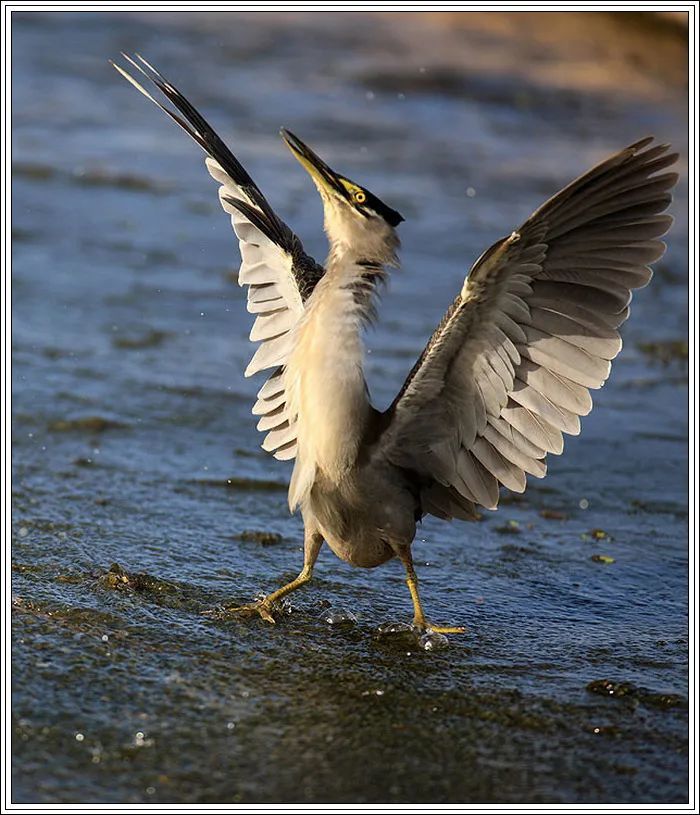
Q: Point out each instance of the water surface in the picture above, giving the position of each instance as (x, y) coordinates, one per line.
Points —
(134, 444)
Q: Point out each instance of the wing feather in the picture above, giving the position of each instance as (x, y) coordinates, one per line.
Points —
(511, 451)
(279, 275)
(510, 367)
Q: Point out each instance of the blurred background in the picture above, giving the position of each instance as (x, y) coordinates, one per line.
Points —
(142, 498)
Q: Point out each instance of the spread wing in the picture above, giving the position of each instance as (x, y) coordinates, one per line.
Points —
(534, 329)
(279, 275)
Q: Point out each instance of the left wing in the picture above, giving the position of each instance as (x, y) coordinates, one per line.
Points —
(280, 276)
(509, 368)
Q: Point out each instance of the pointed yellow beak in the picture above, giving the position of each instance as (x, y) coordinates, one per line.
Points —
(325, 178)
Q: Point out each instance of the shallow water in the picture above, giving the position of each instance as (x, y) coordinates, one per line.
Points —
(134, 444)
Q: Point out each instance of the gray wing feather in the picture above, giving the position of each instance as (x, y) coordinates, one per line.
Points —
(534, 329)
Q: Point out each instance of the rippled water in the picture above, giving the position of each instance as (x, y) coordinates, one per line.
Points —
(134, 444)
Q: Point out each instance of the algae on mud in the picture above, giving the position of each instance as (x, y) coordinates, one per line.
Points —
(230, 711)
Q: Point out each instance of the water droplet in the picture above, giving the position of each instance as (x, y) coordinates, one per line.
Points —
(400, 95)
(338, 616)
(432, 641)
(105, 637)
(286, 606)
(471, 192)
(230, 725)
(79, 737)
(23, 532)
(150, 790)
(583, 503)
(369, 95)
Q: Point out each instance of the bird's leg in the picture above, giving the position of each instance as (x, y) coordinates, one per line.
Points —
(419, 620)
(264, 607)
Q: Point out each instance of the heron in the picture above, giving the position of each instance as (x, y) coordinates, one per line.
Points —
(507, 372)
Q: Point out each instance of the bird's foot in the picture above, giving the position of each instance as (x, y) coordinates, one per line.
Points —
(263, 608)
(419, 627)
(432, 637)
(428, 637)
(422, 626)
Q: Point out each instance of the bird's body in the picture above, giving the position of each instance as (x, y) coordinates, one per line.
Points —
(339, 471)
(357, 527)
(505, 374)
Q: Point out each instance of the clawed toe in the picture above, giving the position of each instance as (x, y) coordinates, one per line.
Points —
(419, 629)
(261, 607)
(424, 627)
(447, 629)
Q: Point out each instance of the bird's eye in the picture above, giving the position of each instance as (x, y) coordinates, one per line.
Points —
(360, 197)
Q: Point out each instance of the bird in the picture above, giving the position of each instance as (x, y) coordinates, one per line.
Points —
(507, 372)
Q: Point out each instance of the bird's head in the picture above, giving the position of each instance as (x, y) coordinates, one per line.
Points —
(353, 216)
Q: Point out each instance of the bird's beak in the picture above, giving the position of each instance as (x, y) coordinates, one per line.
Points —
(320, 172)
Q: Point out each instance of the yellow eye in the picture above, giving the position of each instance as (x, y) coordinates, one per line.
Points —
(360, 197)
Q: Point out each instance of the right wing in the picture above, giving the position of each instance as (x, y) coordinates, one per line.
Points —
(509, 368)
(280, 276)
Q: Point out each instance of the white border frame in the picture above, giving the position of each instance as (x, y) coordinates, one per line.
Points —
(6, 95)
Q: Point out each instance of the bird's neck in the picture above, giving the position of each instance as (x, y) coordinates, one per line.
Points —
(325, 379)
(353, 251)
(361, 272)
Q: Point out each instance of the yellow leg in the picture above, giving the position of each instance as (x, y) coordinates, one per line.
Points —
(419, 620)
(265, 607)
